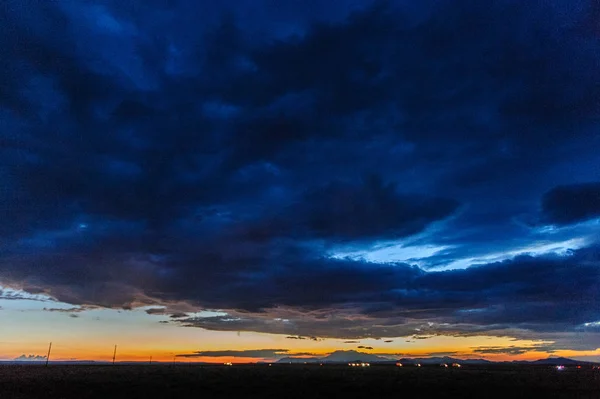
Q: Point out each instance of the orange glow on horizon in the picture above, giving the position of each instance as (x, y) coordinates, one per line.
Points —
(91, 335)
(127, 355)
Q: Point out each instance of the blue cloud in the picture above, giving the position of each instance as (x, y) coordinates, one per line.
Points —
(221, 161)
(571, 204)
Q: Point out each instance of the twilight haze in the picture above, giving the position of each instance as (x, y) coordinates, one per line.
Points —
(246, 180)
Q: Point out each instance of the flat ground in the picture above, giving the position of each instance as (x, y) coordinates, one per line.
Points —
(293, 381)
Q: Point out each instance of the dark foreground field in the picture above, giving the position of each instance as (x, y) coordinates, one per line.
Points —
(282, 381)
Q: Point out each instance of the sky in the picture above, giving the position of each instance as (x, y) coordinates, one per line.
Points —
(249, 180)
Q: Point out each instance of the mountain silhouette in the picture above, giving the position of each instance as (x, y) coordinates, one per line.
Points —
(339, 357)
(554, 361)
(351, 356)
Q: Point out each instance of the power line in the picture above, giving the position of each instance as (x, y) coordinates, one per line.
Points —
(48, 356)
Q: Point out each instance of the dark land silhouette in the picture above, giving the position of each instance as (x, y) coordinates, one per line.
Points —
(296, 381)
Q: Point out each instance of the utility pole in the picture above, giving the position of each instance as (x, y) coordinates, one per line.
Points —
(114, 355)
(48, 356)
(150, 359)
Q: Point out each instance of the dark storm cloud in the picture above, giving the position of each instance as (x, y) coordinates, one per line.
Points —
(299, 337)
(371, 210)
(573, 203)
(513, 350)
(67, 310)
(155, 311)
(422, 336)
(546, 294)
(217, 162)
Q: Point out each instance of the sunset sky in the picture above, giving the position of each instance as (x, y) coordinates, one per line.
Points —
(247, 180)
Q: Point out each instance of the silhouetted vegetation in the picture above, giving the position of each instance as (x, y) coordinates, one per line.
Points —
(294, 381)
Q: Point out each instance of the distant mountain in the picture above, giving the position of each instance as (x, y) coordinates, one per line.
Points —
(353, 356)
(338, 357)
(297, 360)
(554, 361)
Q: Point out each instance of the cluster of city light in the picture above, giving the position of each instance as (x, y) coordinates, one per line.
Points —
(401, 365)
(359, 364)
(456, 365)
(562, 367)
(444, 365)
(228, 364)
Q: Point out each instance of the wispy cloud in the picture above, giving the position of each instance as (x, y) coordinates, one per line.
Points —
(29, 357)
(251, 353)
(513, 349)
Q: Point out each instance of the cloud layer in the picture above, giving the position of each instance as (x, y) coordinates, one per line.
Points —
(221, 163)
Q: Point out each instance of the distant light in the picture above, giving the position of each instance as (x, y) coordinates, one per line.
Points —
(399, 364)
(418, 364)
(444, 365)
(560, 368)
(456, 365)
(228, 364)
(578, 367)
(270, 364)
